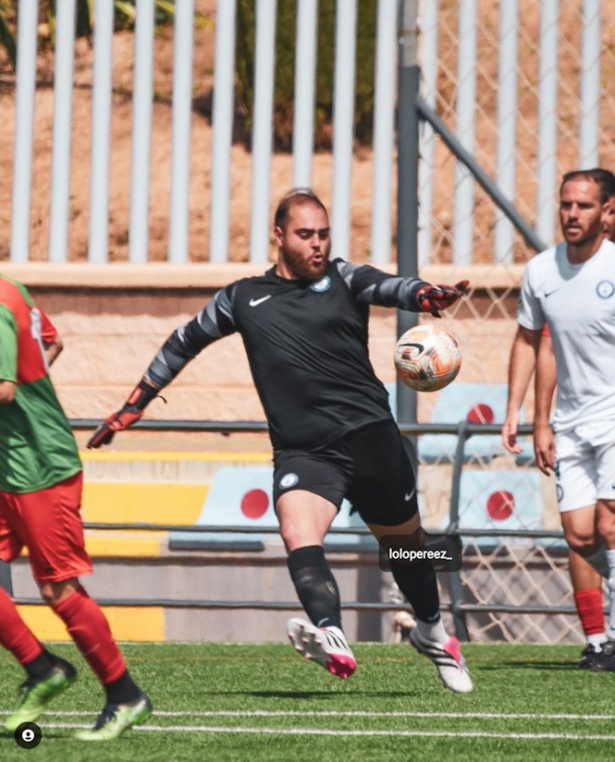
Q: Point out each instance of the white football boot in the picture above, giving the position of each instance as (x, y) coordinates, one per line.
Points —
(326, 646)
(448, 659)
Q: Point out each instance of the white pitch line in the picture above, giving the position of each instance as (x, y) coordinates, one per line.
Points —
(333, 713)
(362, 733)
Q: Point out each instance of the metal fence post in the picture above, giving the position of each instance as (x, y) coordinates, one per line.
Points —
(24, 130)
(455, 585)
(408, 183)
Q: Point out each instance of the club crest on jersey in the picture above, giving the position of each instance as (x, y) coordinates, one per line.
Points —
(288, 480)
(324, 284)
(605, 289)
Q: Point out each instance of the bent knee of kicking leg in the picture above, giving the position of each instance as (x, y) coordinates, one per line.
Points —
(298, 535)
(293, 538)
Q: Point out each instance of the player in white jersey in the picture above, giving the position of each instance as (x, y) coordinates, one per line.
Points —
(571, 288)
(586, 580)
(522, 357)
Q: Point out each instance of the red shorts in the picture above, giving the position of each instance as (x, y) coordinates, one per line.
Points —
(48, 523)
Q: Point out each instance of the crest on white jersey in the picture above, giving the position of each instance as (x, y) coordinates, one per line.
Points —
(605, 289)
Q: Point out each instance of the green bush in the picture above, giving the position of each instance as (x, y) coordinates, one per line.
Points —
(125, 15)
(285, 70)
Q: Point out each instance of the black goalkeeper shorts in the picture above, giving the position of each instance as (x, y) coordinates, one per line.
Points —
(369, 467)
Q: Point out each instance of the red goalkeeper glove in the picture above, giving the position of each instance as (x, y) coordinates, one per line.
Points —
(435, 298)
(133, 409)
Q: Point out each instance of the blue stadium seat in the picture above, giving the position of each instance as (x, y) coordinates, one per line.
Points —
(242, 496)
(499, 500)
(476, 403)
(237, 497)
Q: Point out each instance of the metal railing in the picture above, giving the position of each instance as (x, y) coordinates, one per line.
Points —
(457, 606)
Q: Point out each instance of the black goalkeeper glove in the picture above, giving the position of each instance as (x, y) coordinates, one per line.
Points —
(132, 411)
(436, 298)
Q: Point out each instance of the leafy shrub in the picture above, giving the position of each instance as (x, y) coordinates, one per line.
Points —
(285, 70)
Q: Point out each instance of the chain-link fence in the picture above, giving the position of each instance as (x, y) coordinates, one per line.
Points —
(502, 587)
(514, 584)
(526, 89)
(557, 75)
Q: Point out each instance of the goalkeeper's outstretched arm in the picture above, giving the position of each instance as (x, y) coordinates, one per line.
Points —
(211, 324)
(374, 286)
(133, 408)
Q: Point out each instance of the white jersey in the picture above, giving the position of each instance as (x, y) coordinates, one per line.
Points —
(578, 304)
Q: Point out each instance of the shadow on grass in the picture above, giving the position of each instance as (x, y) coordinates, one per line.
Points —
(528, 664)
(333, 694)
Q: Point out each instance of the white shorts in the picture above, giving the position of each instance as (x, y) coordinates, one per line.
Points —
(585, 465)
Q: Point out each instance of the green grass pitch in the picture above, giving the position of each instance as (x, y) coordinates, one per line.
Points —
(262, 703)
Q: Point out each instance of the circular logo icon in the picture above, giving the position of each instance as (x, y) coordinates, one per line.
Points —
(324, 284)
(605, 289)
(28, 735)
(560, 493)
(288, 480)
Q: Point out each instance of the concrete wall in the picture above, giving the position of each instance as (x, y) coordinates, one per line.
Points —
(217, 577)
(236, 576)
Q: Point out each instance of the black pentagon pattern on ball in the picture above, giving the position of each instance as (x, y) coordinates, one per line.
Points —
(427, 358)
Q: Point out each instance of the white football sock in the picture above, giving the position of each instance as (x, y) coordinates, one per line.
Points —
(596, 640)
(433, 631)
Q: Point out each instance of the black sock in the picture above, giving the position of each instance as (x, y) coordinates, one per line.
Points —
(123, 690)
(315, 586)
(40, 666)
(417, 581)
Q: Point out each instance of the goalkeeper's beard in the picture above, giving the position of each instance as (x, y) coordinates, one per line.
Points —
(310, 268)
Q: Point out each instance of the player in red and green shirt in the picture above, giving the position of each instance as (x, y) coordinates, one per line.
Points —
(40, 500)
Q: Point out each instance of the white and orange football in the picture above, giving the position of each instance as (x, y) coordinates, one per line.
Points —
(427, 358)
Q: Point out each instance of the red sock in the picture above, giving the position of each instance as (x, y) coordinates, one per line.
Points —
(590, 610)
(89, 628)
(14, 634)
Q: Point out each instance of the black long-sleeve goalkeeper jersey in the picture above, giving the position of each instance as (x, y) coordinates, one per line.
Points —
(306, 345)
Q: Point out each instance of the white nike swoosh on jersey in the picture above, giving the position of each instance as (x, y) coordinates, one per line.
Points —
(408, 495)
(256, 302)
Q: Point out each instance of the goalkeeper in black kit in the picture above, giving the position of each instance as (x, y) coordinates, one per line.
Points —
(304, 324)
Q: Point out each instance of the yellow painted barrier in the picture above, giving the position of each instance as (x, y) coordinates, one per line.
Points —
(140, 624)
(125, 544)
(156, 502)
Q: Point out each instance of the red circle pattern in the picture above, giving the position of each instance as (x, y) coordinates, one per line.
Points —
(501, 505)
(254, 504)
(480, 413)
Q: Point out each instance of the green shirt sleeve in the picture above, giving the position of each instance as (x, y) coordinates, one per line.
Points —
(8, 345)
